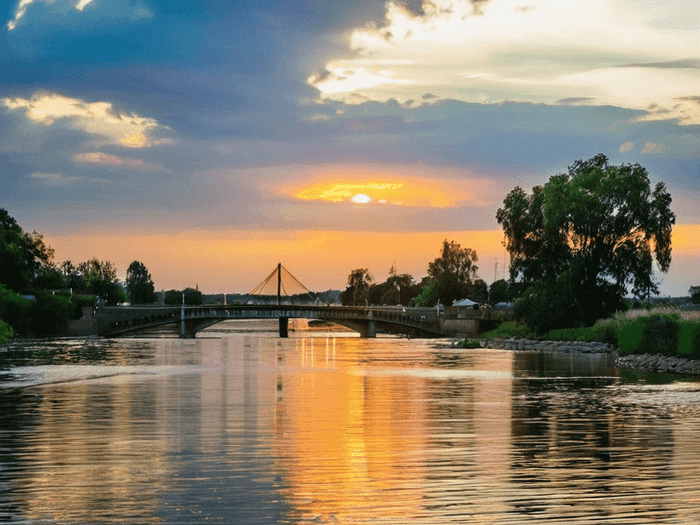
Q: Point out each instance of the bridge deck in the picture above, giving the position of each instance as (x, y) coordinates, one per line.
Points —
(114, 321)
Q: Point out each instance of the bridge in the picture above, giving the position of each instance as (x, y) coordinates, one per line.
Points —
(120, 321)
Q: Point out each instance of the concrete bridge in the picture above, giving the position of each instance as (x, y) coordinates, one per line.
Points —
(130, 320)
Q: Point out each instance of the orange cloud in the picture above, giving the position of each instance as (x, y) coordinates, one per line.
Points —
(398, 186)
(106, 159)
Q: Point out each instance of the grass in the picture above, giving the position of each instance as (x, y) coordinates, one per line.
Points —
(508, 329)
(6, 332)
(664, 330)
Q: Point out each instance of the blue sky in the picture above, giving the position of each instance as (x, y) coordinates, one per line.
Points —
(171, 132)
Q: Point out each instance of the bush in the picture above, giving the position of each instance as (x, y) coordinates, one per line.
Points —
(79, 302)
(607, 331)
(689, 339)
(546, 306)
(6, 332)
(14, 310)
(469, 343)
(653, 334)
(509, 329)
(50, 314)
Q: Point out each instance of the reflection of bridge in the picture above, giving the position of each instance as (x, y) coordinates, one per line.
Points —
(128, 320)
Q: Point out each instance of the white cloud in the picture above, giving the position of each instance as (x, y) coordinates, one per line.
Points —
(106, 159)
(22, 6)
(601, 52)
(626, 147)
(653, 148)
(82, 4)
(54, 178)
(100, 119)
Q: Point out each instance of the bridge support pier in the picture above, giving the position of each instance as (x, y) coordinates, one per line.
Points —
(284, 326)
(371, 330)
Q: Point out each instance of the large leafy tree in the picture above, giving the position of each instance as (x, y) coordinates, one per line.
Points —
(590, 235)
(139, 284)
(22, 255)
(451, 276)
(357, 290)
(101, 280)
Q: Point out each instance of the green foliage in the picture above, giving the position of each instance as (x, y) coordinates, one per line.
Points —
(694, 293)
(499, 292)
(50, 278)
(79, 302)
(508, 329)
(15, 311)
(653, 334)
(22, 255)
(50, 314)
(689, 339)
(357, 289)
(480, 292)
(601, 224)
(193, 297)
(139, 284)
(469, 343)
(601, 332)
(547, 306)
(6, 332)
(429, 294)
(454, 271)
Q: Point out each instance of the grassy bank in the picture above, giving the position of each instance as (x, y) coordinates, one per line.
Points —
(665, 331)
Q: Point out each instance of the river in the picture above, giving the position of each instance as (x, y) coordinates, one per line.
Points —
(241, 427)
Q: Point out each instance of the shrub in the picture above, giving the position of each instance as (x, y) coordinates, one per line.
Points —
(653, 334)
(469, 343)
(79, 302)
(689, 339)
(510, 329)
(14, 310)
(50, 314)
(6, 332)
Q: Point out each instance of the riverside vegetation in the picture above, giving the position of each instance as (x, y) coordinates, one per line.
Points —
(663, 331)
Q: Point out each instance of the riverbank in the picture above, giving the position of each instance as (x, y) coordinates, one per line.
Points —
(641, 362)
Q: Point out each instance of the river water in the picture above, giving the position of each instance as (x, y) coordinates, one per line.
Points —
(242, 427)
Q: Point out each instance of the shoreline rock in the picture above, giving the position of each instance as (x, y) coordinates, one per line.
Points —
(660, 363)
(641, 362)
(576, 347)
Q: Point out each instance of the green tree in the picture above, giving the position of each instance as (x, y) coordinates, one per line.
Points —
(101, 280)
(74, 278)
(193, 297)
(592, 233)
(402, 289)
(498, 292)
(50, 278)
(452, 274)
(22, 255)
(694, 293)
(357, 289)
(480, 292)
(139, 284)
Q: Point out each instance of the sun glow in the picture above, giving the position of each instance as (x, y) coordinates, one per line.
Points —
(403, 192)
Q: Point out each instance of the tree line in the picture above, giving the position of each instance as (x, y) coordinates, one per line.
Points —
(39, 296)
(578, 245)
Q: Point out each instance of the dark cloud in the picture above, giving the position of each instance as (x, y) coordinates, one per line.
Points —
(574, 100)
(412, 6)
(686, 63)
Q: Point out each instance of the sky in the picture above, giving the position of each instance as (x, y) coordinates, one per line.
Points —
(211, 140)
